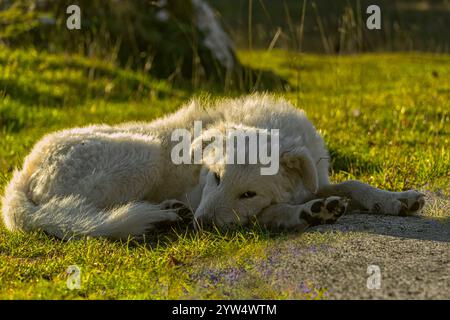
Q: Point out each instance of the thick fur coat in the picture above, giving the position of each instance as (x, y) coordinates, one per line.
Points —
(120, 181)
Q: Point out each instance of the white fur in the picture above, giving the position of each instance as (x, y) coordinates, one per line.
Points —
(111, 180)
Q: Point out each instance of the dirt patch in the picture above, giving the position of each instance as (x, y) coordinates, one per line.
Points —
(412, 254)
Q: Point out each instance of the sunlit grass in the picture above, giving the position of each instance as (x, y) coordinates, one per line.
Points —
(385, 118)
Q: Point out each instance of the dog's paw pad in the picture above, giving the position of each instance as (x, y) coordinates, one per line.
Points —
(336, 207)
(186, 214)
(324, 211)
(412, 202)
(317, 206)
(377, 208)
(415, 206)
(332, 205)
(183, 212)
(171, 204)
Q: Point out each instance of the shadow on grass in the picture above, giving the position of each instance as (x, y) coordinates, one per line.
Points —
(243, 81)
(419, 227)
(413, 227)
(27, 94)
(262, 80)
(341, 161)
(434, 225)
(169, 235)
(69, 92)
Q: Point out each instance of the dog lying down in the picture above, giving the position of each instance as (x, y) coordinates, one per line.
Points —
(125, 180)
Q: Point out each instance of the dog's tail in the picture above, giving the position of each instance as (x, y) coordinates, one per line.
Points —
(73, 216)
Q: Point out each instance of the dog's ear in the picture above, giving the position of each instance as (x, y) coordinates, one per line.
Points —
(299, 164)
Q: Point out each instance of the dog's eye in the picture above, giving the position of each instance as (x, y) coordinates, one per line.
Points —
(217, 177)
(247, 195)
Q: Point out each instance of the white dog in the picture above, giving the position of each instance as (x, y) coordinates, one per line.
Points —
(120, 181)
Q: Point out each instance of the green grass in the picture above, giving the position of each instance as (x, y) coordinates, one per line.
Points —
(385, 118)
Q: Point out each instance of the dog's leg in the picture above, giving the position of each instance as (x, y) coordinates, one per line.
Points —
(184, 213)
(284, 216)
(367, 198)
(138, 218)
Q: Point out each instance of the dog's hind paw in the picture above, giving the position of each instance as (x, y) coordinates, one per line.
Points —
(184, 213)
(323, 211)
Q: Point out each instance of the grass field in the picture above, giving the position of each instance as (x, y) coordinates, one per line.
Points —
(385, 118)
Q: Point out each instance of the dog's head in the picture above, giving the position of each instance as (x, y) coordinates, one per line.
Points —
(235, 192)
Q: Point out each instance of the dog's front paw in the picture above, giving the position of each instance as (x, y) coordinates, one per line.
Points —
(412, 203)
(405, 204)
(282, 217)
(323, 211)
